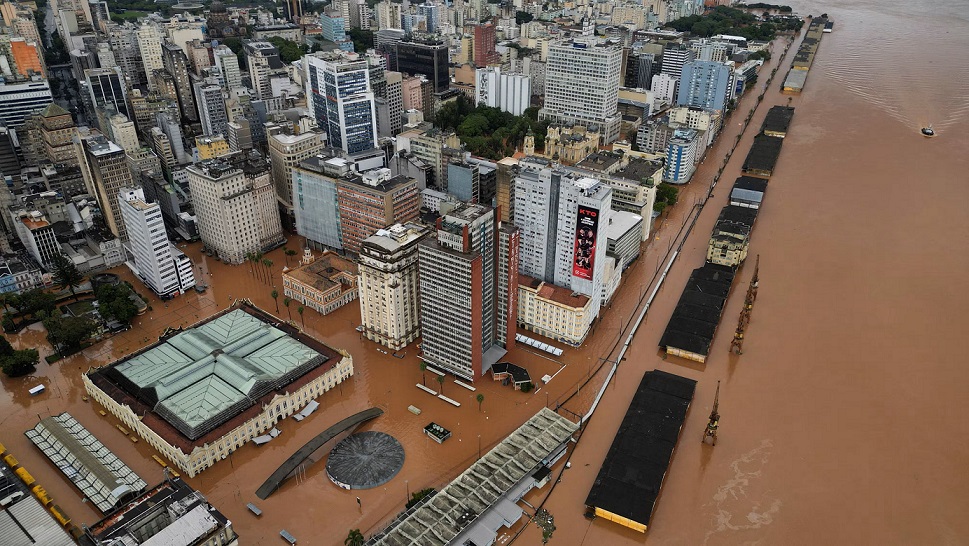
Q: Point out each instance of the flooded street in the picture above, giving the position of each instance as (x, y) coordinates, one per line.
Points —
(842, 422)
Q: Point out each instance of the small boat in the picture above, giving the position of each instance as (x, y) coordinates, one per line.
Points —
(928, 131)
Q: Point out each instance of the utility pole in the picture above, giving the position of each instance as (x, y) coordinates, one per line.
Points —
(714, 423)
(737, 345)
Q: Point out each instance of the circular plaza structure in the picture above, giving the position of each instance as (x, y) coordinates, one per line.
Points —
(365, 460)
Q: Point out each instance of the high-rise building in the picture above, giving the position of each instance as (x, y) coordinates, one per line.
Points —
(388, 14)
(339, 95)
(19, 100)
(394, 104)
(704, 84)
(432, 16)
(510, 92)
(468, 291)
(227, 67)
(263, 60)
(674, 57)
(36, 232)
(388, 281)
(333, 27)
(582, 85)
(105, 170)
(157, 262)
(107, 88)
(57, 130)
(211, 102)
(176, 64)
(373, 200)
(236, 206)
(485, 53)
(286, 151)
(664, 87)
(122, 132)
(564, 221)
(681, 156)
(293, 10)
(429, 58)
(150, 47)
(315, 203)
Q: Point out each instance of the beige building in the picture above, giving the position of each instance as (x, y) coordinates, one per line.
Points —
(236, 206)
(553, 311)
(285, 153)
(211, 147)
(198, 395)
(105, 170)
(389, 285)
(570, 144)
(324, 285)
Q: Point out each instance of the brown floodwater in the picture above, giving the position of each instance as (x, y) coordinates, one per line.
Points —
(841, 423)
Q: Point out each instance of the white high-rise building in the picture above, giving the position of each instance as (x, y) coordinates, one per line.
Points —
(582, 85)
(339, 95)
(236, 207)
(123, 133)
(510, 92)
(227, 66)
(664, 87)
(564, 218)
(161, 266)
(211, 103)
(150, 46)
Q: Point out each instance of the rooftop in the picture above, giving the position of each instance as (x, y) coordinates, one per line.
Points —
(763, 154)
(778, 119)
(396, 237)
(551, 292)
(620, 222)
(322, 274)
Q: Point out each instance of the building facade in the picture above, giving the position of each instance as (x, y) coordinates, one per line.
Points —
(553, 311)
(324, 285)
(705, 84)
(315, 203)
(582, 85)
(105, 170)
(339, 96)
(372, 201)
(155, 263)
(682, 154)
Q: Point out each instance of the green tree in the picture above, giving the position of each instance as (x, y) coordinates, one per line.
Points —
(545, 522)
(302, 319)
(114, 301)
(522, 17)
(67, 333)
(20, 362)
(65, 274)
(423, 369)
(354, 538)
(440, 379)
(268, 264)
(362, 39)
(289, 51)
(275, 295)
(480, 399)
(5, 348)
(286, 303)
(289, 254)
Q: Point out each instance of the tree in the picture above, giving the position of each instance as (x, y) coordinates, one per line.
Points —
(423, 369)
(286, 303)
(354, 538)
(545, 522)
(480, 399)
(67, 333)
(114, 301)
(20, 362)
(362, 39)
(275, 295)
(65, 274)
(5, 348)
(522, 17)
(289, 51)
(289, 253)
(268, 264)
(301, 317)
(440, 379)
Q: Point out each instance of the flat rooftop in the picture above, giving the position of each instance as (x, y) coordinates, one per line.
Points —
(763, 154)
(702, 301)
(194, 385)
(778, 119)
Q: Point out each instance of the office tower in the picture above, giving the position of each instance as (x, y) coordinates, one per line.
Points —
(161, 266)
(464, 182)
(664, 87)
(372, 200)
(315, 203)
(105, 171)
(211, 102)
(484, 46)
(173, 130)
(122, 132)
(507, 170)
(432, 16)
(333, 27)
(564, 222)
(238, 135)
(510, 92)
(339, 95)
(385, 42)
(388, 281)
(394, 101)
(124, 44)
(57, 131)
(36, 232)
(236, 207)
(388, 14)
(176, 64)
(227, 67)
(674, 57)
(429, 58)
(639, 70)
(150, 48)
(293, 10)
(19, 100)
(681, 156)
(464, 273)
(263, 61)
(107, 89)
(582, 85)
(286, 151)
(704, 84)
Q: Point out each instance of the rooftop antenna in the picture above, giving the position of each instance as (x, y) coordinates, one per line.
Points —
(714, 424)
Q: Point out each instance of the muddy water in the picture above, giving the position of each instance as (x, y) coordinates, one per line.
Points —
(843, 422)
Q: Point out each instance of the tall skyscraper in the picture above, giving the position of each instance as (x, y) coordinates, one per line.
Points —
(373, 200)
(564, 221)
(674, 57)
(176, 64)
(19, 100)
(315, 200)
(263, 60)
(485, 53)
(227, 67)
(107, 89)
(211, 102)
(468, 291)
(236, 206)
(682, 152)
(150, 47)
(105, 170)
(510, 92)
(339, 95)
(429, 58)
(705, 84)
(582, 85)
(164, 268)
(388, 281)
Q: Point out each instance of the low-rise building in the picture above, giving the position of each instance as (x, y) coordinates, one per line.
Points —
(324, 285)
(553, 311)
(731, 236)
(624, 237)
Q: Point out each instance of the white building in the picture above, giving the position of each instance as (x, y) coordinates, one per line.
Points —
(123, 132)
(553, 311)
(510, 92)
(664, 87)
(212, 112)
(388, 285)
(582, 85)
(564, 221)
(150, 46)
(161, 266)
(682, 154)
(236, 208)
(227, 67)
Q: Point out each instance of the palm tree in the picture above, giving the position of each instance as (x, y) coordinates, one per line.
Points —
(286, 253)
(249, 259)
(269, 268)
(301, 317)
(289, 253)
(275, 295)
(354, 538)
(440, 379)
(480, 399)
(286, 303)
(423, 377)
(66, 274)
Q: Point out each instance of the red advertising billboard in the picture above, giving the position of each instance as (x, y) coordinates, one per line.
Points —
(586, 227)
